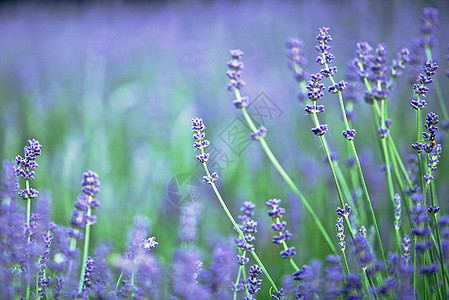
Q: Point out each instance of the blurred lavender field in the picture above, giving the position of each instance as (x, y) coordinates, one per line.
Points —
(112, 87)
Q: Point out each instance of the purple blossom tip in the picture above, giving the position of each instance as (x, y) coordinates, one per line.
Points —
(260, 133)
(320, 130)
(236, 54)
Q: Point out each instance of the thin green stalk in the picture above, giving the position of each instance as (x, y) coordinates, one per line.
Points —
(118, 282)
(288, 180)
(28, 217)
(392, 147)
(437, 86)
(231, 218)
(86, 249)
(360, 215)
(359, 168)
(418, 139)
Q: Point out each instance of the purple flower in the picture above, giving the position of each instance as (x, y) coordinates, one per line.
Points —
(297, 60)
(397, 211)
(429, 20)
(236, 83)
(87, 280)
(260, 133)
(254, 283)
(288, 253)
(320, 130)
(315, 87)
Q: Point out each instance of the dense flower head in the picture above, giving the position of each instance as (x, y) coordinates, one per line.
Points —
(248, 227)
(315, 87)
(25, 167)
(296, 58)
(90, 184)
(429, 20)
(425, 78)
(320, 130)
(253, 282)
(398, 64)
(201, 144)
(234, 74)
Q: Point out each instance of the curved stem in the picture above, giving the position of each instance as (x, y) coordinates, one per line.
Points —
(231, 218)
(290, 182)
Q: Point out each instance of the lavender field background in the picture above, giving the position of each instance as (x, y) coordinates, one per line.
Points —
(112, 87)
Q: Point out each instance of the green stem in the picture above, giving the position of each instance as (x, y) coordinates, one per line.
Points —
(231, 218)
(118, 282)
(86, 248)
(437, 87)
(359, 168)
(290, 182)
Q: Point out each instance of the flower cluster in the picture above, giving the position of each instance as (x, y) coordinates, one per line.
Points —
(249, 227)
(86, 201)
(424, 79)
(297, 62)
(397, 211)
(43, 280)
(429, 137)
(276, 213)
(260, 133)
(201, 144)
(88, 278)
(253, 282)
(429, 20)
(26, 166)
(234, 74)
(340, 234)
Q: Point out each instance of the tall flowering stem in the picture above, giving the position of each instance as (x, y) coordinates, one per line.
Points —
(372, 71)
(25, 169)
(201, 144)
(324, 59)
(429, 20)
(90, 188)
(236, 83)
(276, 212)
(420, 90)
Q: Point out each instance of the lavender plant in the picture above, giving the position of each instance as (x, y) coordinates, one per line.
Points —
(389, 239)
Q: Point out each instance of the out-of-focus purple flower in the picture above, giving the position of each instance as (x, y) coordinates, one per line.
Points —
(309, 280)
(187, 268)
(222, 270)
(363, 249)
(429, 20)
(296, 59)
(398, 64)
(234, 74)
(260, 133)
